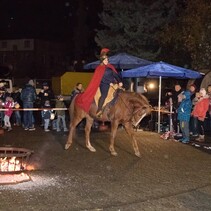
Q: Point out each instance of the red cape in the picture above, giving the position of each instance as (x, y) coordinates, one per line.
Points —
(85, 99)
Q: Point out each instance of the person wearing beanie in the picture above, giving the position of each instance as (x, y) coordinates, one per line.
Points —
(199, 111)
(105, 75)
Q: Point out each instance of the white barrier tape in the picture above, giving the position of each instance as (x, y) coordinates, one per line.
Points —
(34, 109)
(162, 111)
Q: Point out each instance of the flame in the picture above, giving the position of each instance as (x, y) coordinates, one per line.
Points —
(11, 164)
(30, 168)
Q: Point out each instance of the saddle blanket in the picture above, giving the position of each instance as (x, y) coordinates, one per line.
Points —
(110, 95)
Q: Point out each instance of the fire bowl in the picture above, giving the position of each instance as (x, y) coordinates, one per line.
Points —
(13, 163)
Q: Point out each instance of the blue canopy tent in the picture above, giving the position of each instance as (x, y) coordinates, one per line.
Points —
(161, 69)
(121, 61)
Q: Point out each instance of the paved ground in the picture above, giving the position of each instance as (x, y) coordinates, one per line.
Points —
(169, 176)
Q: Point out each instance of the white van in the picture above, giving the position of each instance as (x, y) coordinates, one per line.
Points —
(7, 83)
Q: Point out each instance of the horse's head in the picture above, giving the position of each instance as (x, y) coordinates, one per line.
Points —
(140, 108)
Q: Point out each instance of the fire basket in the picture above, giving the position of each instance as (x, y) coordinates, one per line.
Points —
(13, 159)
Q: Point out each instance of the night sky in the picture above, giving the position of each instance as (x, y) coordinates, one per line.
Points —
(50, 19)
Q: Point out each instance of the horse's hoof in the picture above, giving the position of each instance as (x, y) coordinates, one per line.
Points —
(138, 154)
(92, 149)
(67, 146)
(114, 153)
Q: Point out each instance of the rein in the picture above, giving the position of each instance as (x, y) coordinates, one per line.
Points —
(126, 104)
(121, 97)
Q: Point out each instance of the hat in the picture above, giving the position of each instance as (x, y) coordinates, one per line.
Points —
(203, 92)
(31, 82)
(104, 51)
(103, 54)
(44, 84)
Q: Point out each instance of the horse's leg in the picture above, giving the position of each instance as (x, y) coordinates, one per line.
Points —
(129, 130)
(89, 122)
(114, 126)
(73, 125)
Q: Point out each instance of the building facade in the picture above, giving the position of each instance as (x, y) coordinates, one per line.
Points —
(32, 58)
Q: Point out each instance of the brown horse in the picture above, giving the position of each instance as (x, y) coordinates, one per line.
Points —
(128, 110)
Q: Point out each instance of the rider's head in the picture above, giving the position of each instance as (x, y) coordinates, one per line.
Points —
(104, 56)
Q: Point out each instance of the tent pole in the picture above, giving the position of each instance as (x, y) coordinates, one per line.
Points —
(135, 84)
(171, 110)
(159, 103)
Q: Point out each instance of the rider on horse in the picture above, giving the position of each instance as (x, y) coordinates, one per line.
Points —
(105, 75)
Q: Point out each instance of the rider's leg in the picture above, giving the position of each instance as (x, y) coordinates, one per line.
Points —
(104, 91)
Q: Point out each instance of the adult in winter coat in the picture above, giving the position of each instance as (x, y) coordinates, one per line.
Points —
(199, 112)
(28, 97)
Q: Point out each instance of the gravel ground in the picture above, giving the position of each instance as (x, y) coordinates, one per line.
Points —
(168, 176)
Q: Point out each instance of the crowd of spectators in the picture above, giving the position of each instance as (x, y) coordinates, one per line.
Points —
(17, 108)
(192, 108)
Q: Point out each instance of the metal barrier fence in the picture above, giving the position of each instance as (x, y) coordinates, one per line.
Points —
(33, 109)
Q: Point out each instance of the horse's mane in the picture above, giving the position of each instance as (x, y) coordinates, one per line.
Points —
(134, 97)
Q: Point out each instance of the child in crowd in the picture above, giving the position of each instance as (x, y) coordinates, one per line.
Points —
(8, 104)
(60, 114)
(184, 113)
(47, 115)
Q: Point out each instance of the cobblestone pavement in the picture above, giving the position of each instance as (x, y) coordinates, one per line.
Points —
(168, 176)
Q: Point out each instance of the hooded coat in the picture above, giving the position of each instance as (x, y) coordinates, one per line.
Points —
(184, 110)
(201, 108)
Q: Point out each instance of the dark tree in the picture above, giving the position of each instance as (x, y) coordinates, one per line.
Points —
(191, 34)
(133, 26)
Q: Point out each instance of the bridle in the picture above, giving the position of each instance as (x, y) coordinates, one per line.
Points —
(131, 110)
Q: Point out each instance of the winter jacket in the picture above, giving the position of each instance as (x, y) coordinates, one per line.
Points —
(47, 113)
(184, 110)
(110, 77)
(16, 97)
(45, 95)
(28, 94)
(60, 104)
(201, 108)
(8, 105)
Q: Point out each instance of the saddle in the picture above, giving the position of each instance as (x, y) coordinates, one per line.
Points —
(110, 99)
